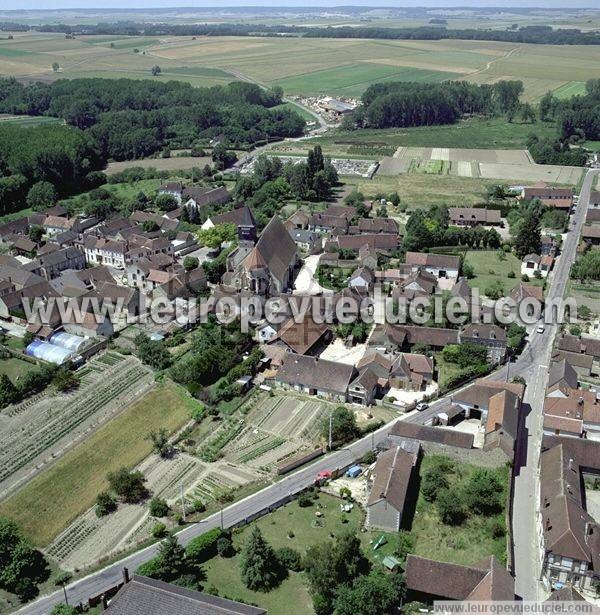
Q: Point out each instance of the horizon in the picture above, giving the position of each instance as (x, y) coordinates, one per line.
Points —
(76, 5)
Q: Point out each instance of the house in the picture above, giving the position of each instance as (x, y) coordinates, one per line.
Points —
(21, 245)
(479, 397)
(298, 220)
(492, 337)
(591, 234)
(184, 243)
(570, 536)
(528, 292)
(365, 387)
(412, 372)
(375, 225)
(305, 337)
(362, 280)
(100, 251)
(428, 580)
(53, 263)
(418, 283)
(174, 189)
(313, 376)
(533, 263)
(395, 338)
(239, 216)
(588, 346)
(559, 198)
(327, 223)
(549, 246)
(503, 421)
(153, 597)
(402, 431)
(439, 265)
(389, 485)
(474, 216)
(385, 242)
(196, 197)
(266, 268)
(307, 241)
(562, 374)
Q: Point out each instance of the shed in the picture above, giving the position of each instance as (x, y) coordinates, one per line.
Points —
(390, 562)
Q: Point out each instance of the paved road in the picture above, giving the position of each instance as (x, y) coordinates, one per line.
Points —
(532, 365)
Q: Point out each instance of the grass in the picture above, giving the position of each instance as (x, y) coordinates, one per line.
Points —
(224, 574)
(473, 133)
(48, 503)
(573, 88)
(445, 370)
(422, 190)
(27, 121)
(354, 79)
(14, 368)
(466, 544)
(131, 190)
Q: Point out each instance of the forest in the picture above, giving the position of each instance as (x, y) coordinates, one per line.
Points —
(131, 119)
(537, 35)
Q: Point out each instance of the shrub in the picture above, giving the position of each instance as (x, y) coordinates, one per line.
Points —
(128, 485)
(450, 507)
(433, 481)
(304, 500)
(105, 503)
(369, 457)
(204, 547)
(159, 530)
(225, 546)
(483, 492)
(510, 274)
(290, 559)
(159, 507)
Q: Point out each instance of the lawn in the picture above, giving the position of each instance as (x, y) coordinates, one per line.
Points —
(59, 494)
(15, 367)
(473, 133)
(445, 370)
(489, 269)
(464, 544)
(573, 88)
(131, 190)
(292, 595)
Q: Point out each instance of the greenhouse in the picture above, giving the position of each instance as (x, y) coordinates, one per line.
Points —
(48, 352)
(69, 342)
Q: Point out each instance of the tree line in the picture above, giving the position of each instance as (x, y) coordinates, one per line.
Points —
(536, 34)
(419, 104)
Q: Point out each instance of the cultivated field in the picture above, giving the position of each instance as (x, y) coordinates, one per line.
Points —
(58, 495)
(307, 66)
(486, 163)
(36, 431)
(176, 163)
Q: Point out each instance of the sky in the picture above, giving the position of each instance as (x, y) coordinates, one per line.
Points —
(150, 4)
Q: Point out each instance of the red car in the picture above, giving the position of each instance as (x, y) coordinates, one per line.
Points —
(324, 475)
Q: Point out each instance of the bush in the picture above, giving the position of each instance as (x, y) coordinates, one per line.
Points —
(483, 492)
(433, 481)
(304, 500)
(290, 559)
(369, 457)
(510, 274)
(105, 503)
(128, 485)
(204, 547)
(497, 528)
(225, 546)
(159, 507)
(159, 530)
(450, 507)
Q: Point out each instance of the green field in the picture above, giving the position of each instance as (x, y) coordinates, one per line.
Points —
(465, 544)
(474, 133)
(25, 120)
(575, 88)
(353, 80)
(49, 502)
(14, 367)
(301, 65)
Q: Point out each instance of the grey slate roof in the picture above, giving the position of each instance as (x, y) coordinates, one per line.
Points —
(144, 596)
(277, 248)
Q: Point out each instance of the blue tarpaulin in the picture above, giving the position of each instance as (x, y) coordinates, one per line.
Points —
(354, 471)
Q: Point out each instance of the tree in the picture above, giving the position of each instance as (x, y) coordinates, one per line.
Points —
(190, 263)
(128, 485)
(218, 234)
(105, 503)
(527, 113)
(371, 594)
(41, 196)
(155, 70)
(8, 391)
(36, 233)
(225, 546)
(529, 236)
(166, 202)
(434, 481)
(405, 544)
(63, 609)
(171, 559)
(290, 559)
(450, 507)
(258, 563)
(546, 107)
(483, 492)
(55, 66)
(160, 442)
(158, 507)
(65, 380)
(152, 352)
(222, 157)
(150, 226)
(343, 426)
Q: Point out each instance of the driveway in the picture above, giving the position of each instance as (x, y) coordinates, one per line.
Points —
(306, 283)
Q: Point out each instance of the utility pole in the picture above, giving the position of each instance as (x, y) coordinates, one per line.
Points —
(182, 501)
(222, 519)
(330, 430)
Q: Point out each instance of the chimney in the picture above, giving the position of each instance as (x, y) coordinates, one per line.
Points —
(104, 603)
(125, 575)
(580, 402)
(571, 464)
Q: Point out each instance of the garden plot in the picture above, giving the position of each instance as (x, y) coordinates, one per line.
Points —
(40, 429)
(89, 538)
(220, 478)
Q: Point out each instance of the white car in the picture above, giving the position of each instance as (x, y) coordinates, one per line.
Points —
(422, 406)
(541, 329)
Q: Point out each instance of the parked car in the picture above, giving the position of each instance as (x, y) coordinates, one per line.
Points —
(541, 329)
(422, 406)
